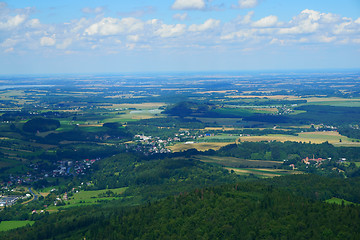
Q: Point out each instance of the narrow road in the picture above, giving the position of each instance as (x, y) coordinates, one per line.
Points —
(32, 193)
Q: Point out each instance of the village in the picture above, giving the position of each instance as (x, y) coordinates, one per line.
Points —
(146, 145)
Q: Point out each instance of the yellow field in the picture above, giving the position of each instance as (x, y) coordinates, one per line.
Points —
(198, 146)
(332, 137)
(267, 109)
(90, 125)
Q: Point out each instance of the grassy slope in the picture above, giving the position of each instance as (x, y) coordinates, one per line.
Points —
(8, 225)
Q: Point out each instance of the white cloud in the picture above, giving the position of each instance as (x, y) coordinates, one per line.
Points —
(113, 26)
(277, 41)
(47, 41)
(242, 35)
(170, 30)
(33, 23)
(326, 39)
(208, 24)
(268, 21)
(12, 22)
(329, 18)
(130, 46)
(65, 44)
(133, 38)
(188, 5)
(305, 22)
(20, 33)
(248, 3)
(180, 16)
(9, 43)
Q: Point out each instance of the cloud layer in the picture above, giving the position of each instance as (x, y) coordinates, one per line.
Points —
(20, 33)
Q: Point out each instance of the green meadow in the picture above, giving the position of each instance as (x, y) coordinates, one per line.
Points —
(8, 225)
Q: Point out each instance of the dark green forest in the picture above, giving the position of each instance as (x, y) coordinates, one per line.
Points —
(281, 208)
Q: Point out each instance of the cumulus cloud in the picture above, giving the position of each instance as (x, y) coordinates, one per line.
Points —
(208, 24)
(305, 22)
(166, 31)
(18, 31)
(113, 26)
(309, 26)
(268, 21)
(248, 3)
(188, 5)
(47, 41)
(12, 22)
(179, 16)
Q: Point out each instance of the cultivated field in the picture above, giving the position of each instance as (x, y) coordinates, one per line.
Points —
(198, 146)
(260, 168)
(238, 162)
(262, 172)
(332, 137)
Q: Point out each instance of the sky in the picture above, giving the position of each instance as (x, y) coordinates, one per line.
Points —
(122, 36)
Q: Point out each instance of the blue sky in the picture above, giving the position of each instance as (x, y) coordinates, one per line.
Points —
(91, 36)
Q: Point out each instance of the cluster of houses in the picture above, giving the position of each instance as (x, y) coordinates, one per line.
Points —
(66, 168)
(308, 160)
(62, 168)
(6, 201)
(316, 161)
(151, 145)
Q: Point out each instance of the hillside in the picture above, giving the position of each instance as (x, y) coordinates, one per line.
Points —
(257, 210)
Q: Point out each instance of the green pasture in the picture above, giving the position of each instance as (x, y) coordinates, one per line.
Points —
(83, 198)
(220, 138)
(355, 103)
(8, 225)
(297, 112)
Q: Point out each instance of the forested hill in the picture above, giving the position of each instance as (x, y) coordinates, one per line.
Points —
(248, 210)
